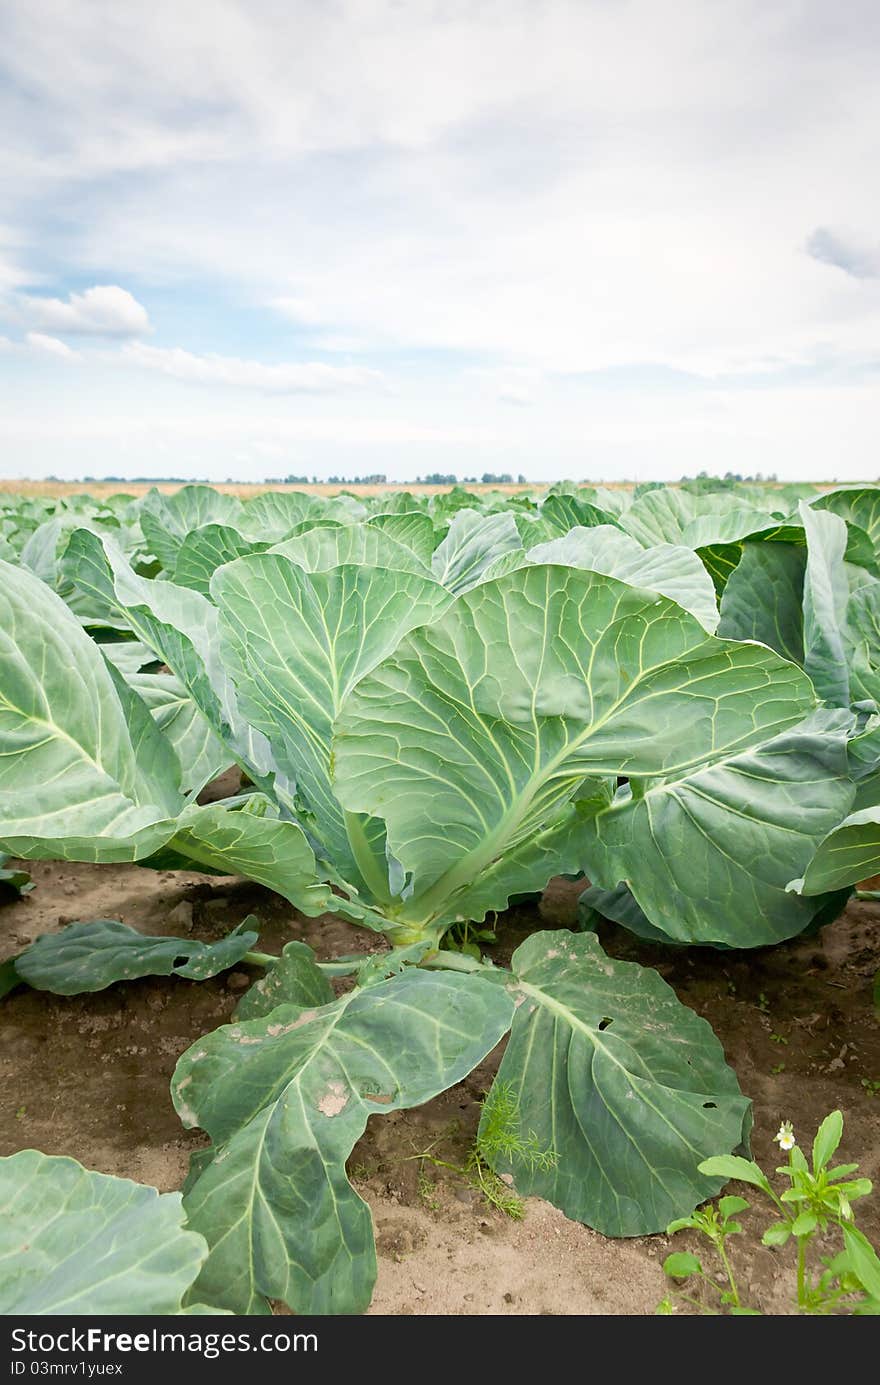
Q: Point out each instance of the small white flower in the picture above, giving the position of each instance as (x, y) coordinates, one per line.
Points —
(784, 1136)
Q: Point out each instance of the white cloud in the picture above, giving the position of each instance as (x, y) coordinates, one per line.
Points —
(50, 346)
(571, 186)
(229, 372)
(337, 345)
(105, 311)
(853, 254)
(12, 275)
(520, 387)
(543, 190)
(299, 310)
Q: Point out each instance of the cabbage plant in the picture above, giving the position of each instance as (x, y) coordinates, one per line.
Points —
(434, 718)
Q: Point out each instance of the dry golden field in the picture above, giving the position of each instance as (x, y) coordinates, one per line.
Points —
(101, 489)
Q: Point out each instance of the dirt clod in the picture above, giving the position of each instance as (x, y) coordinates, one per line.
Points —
(180, 918)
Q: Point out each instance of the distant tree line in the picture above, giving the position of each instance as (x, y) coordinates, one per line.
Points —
(488, 478)
(141, 480)
(704, 482)
(379, 478)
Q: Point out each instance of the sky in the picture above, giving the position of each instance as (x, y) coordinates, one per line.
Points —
(584, 239)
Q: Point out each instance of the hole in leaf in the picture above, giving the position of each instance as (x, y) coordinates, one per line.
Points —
(180, 961)
(604, 1023)
(709, 1106)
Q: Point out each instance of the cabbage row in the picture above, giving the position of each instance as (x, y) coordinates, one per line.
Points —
(437, 706)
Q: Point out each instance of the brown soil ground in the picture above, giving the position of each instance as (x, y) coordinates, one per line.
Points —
(88, 1076)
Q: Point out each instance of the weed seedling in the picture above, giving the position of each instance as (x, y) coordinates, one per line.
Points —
(818, 1198)
(499, 1137)
(427, 1191)
(466, 938)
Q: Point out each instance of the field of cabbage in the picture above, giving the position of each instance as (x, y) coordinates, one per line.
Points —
(400, 730)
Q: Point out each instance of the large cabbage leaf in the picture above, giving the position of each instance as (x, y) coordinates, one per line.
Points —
(671, 569)
(485, 740)
(284, 1098)
(626, 1086)
(73, 1242)
(85, 773)
(295, 643)
(850, 853)
(708, 854)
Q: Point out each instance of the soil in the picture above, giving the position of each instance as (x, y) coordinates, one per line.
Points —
(88, 1076)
